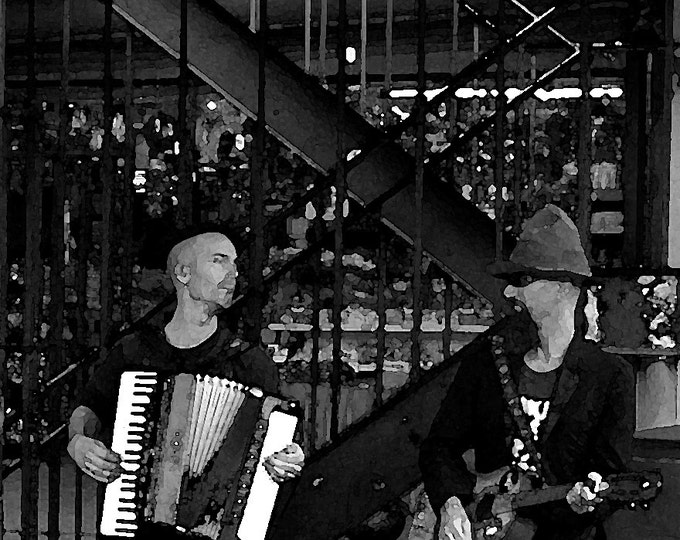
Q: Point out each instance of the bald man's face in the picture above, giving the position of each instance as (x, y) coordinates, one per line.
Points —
(213, 278)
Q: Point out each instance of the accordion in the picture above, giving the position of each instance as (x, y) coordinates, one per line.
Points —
(191, 448)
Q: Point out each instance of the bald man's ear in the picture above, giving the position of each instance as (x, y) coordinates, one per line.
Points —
(182, 273)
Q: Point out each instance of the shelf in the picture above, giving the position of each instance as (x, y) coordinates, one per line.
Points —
(642, 351)
(666, 433)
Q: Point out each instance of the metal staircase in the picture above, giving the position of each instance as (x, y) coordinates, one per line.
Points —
(223, 52)
(374, 461)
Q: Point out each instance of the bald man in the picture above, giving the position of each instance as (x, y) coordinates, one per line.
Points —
(203, 270)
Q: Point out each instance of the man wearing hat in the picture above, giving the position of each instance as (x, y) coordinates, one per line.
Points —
(534, 399)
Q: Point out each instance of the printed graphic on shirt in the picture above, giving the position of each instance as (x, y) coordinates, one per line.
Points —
(537, 410)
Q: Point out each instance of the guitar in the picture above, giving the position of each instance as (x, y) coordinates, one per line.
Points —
(494, 507)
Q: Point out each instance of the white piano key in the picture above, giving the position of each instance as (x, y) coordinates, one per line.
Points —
(263, 492)
(118, 505)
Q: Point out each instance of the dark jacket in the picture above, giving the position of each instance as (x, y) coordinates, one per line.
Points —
(589, 426)
(147, 349)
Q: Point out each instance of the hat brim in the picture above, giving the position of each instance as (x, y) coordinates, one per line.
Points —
(507, 269)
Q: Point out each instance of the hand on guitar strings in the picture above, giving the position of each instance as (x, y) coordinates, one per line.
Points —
(285, 464)
(455, 524)
(94, 458)
(582, 498)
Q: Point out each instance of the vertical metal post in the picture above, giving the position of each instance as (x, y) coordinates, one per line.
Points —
(475, 52)
(634, 156)
(420, 171)
(584, 151)
(364, 38)
(519, 140)
(257, 179)
(323, 31)
(382, 316)
(33, 272)
(340, 190)
(659, 182)
(454, 36)
(185, 187)
(193, 173)
(452, 104)
(500, 135)
(84, 246)
(4, 258)
(56, 359)
(78, 487)
(389, 22)
(532, 127)
(308, 35)
(107, 176)
(317, 232)
(128, 186)
(448, 310)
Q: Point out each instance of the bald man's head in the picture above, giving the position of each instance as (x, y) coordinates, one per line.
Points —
(205, 265)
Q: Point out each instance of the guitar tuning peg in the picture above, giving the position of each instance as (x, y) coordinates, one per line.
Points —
(645, 506)
(632, 506)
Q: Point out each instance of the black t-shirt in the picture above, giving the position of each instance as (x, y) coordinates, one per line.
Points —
(536, 391)
(220, 355)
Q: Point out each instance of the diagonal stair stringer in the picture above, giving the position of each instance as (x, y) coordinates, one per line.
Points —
(298, 111)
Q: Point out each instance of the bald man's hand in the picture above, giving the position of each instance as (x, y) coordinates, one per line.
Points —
(94, 459)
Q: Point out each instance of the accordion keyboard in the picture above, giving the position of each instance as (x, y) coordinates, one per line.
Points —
(119, 517)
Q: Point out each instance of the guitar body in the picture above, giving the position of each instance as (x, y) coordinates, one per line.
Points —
(497, 495)
(499, 521)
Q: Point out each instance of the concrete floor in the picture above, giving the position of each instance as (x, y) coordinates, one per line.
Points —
(12, 503)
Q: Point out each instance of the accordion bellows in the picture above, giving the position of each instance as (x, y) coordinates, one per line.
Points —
(192, 448)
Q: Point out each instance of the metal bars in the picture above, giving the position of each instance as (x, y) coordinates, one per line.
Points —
(308, 35)
(389, 22)
(33, 272)
(56, 358)
(448, 311)
(323, 31)
(4, 258)
(338, 244)
(185, 214)
(107, 185)
(364, 39)
(128, 188)
(421, 101)
(584, 151)
(634, 157)
(317, 234)
(499, 154)
(257, 179)
(382, 317)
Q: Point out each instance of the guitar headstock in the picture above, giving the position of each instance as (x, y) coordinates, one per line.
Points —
(633, 489)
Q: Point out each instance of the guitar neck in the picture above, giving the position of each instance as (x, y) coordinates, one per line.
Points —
(630, 487)
(540, 496)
